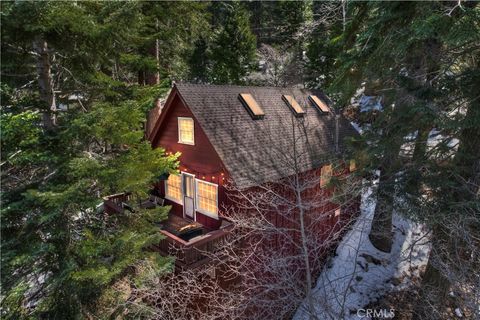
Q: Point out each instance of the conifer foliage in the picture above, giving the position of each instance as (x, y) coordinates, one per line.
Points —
(72, 132)
(422, 59)
(226, 52)
(79, 77)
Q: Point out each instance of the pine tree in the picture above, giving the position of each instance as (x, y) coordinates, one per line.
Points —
(68, 140)
(385, 37)
(171, 29)
(200, 64)
(230, 50)
(279, 26)
(420, 57)
(327, 40)
(276, 23)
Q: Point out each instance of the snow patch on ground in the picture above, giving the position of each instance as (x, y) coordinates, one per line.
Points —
(359, 274)
(370, 103)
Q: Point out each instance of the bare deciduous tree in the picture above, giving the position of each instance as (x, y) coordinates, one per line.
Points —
(283, 233)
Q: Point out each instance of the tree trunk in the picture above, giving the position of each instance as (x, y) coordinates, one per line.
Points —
(306, 257)
(381, 232)
(468, 155)
(157, 53)
(413, 185)
(153, 77)
(141, 77)
(45, 82)
(435, 284)
(422, 65)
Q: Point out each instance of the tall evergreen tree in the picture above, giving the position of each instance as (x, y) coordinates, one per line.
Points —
(233, 44)
(72, 132)
(225, 52)
(420, 58)
(279, 26)
(381, 35)
(276, 23)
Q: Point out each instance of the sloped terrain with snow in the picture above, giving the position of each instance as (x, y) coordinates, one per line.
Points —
(359, 274)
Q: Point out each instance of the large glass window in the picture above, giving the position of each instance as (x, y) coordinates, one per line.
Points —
(207, 198)
(185, 131)
(173, 188)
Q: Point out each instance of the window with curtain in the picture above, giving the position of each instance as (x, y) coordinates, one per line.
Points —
(207, 198)
(173, 188)
(185, 131)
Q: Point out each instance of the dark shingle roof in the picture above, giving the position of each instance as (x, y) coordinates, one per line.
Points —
(259, 151)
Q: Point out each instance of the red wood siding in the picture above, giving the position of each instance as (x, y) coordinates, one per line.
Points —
(202, 160)
(199, 159)
(323, 230)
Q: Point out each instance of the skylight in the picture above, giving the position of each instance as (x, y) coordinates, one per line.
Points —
(253, 108)
(293, 104)
(319, 104)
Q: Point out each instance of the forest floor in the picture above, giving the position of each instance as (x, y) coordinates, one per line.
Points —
(359, 274)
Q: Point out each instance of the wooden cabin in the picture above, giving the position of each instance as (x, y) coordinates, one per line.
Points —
(241, 136)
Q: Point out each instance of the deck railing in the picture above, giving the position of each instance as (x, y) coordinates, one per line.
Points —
(188, 254)
(193, 253)
(113, 203)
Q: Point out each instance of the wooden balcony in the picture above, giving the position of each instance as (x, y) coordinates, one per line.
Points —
(195, 251)
(114, 203)
(188, 241)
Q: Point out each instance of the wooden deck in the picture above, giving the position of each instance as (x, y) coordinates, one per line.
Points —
(188, 241)
(185, 229)
(191, 252)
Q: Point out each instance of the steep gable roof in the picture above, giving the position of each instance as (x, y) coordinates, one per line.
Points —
(259, 151)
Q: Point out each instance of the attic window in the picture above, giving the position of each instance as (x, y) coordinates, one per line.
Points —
(322, 106)
(253, 108)
(293, 104)
(186, 131)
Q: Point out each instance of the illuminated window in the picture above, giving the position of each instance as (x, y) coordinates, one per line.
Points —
(173, 188)
(326, 175)
(207, 198)
(253, 108)
(185, 131)
(353, 165)
(293, 104)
